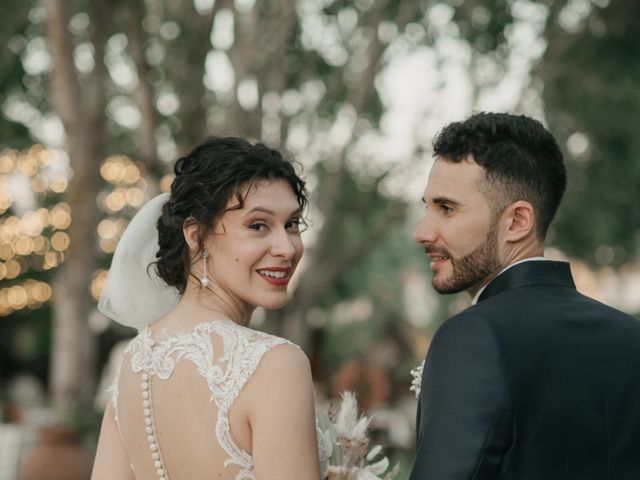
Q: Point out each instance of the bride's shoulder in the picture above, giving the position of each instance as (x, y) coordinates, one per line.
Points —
(259, 337)
(284, 353)
(284, 368)
(259, 347)
(281, 359)
(268, 361)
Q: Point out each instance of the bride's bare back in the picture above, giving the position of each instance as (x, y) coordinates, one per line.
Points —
(180, 404)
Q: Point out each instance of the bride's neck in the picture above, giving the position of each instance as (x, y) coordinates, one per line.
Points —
(214, 299)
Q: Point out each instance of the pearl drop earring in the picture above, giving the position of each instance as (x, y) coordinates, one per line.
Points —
(205, 279)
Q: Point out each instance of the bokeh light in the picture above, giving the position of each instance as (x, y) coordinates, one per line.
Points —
(134, 197)
(165, 182)
(61, 216)
(41, 245)
(107, 229)
(7, 161)
(120, 169)
(59, 185)
(51, 260)
(60, 241)
(13, 269)
(115, 201)
(5, 200)
(31, 294)
(7, 251)
(32, 224)
(23, 245)
(131, 174)
(98, 282)
(108, 245)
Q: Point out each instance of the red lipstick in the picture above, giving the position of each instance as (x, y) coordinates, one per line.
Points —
(276, 275)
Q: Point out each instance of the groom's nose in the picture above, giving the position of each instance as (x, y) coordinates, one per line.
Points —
(424, 232)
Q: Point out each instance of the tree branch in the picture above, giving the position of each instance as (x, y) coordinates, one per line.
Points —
(331, 269)
(133, 13)
(188, 69)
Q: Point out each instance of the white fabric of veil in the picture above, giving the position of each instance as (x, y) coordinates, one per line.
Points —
(134, 294)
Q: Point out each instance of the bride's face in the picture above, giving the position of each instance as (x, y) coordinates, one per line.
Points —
(254, 251)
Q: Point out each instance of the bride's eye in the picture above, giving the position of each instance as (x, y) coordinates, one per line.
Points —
(293, 225)
(258, 226)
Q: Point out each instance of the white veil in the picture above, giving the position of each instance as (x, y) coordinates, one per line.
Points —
(134, 294)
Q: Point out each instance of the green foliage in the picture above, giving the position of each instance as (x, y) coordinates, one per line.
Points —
(482, 23)
(376, 279)
(360, 211)
(25, 338)
(13, 38)
(591, 79)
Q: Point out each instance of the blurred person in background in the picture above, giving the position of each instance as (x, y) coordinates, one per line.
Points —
(199, 394)
(534, 380)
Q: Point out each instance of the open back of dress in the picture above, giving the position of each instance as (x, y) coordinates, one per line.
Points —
(173, 396)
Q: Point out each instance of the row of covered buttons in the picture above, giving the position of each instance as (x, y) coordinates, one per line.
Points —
(149, 428)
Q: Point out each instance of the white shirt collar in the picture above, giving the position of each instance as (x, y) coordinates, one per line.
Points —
(530, 259)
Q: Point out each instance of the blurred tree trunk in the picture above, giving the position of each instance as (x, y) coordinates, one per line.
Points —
(263, 36)
(325, 267)
(186, 64)
(133, 12)
(82, 113)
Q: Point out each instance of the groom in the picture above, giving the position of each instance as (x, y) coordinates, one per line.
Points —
(534, 381)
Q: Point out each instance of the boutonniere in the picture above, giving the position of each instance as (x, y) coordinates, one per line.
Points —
(416, 383)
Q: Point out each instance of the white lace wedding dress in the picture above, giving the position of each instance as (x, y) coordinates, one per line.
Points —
(173, 396)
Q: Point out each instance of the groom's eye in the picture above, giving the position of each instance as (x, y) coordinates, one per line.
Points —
(446, 209)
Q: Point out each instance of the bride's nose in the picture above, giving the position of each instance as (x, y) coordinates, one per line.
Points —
(282, 245)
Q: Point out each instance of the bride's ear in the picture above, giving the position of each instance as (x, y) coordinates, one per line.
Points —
(190, 230)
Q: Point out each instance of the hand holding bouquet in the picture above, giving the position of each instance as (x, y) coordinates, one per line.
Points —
(343, 439)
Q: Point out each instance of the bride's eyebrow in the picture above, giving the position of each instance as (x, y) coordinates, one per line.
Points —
(297, 211)
(262, 210)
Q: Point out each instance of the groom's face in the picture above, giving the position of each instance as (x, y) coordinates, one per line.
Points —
(458, 231)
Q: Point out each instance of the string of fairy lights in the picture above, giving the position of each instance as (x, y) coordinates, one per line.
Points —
(36, 239)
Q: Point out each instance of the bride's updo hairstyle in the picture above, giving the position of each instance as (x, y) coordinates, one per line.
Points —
(205, 180)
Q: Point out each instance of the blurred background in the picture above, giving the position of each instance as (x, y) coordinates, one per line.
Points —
(99, 97)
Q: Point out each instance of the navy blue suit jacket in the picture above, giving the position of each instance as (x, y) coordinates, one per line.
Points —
(534, 382)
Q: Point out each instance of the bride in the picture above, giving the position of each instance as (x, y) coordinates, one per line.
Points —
(199, 394)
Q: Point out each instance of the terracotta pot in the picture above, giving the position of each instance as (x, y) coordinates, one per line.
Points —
(58, 455)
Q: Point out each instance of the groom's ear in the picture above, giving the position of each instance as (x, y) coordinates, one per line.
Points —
(190, 230)
(519, 221)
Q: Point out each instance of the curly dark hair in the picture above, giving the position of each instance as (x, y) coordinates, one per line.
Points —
(205, 180)
(520, 158)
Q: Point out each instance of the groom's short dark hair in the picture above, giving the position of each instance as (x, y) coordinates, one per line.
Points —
(520, 158)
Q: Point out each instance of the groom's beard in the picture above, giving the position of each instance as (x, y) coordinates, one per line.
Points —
(473, 269)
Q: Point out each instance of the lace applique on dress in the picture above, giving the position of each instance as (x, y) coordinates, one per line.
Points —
(242, 350)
